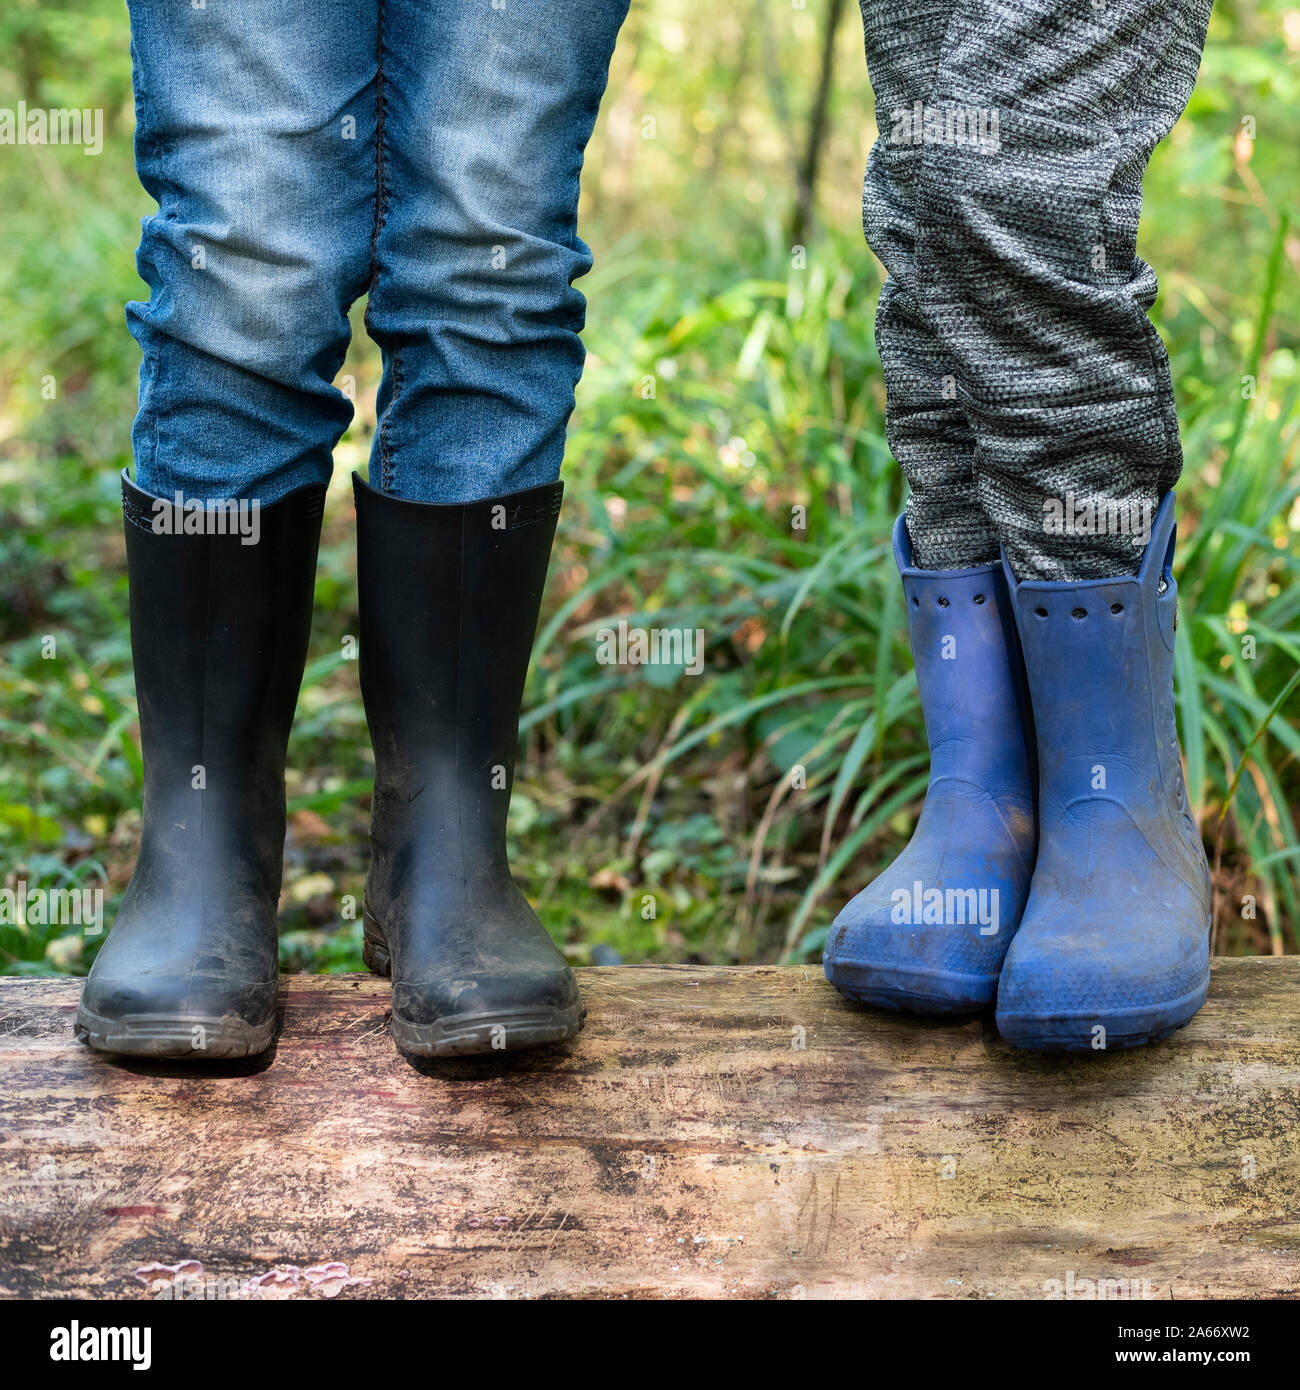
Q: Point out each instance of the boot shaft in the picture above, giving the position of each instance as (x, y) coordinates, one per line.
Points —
(1100, 661)
(219, 632)
(449, 599)
(968, 671)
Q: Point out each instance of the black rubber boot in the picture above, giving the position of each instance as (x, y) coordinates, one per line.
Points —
(449, 598)
(219, 634)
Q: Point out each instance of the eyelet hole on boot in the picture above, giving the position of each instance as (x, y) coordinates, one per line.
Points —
(916, 602)
(1078, 612)
(1042, 612)
(979, 598)
(942, 602)
(1117, 608)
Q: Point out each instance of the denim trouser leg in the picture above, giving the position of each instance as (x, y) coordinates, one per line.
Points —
(927, 429)
(427, 151)
(486, 114)
(255, 133)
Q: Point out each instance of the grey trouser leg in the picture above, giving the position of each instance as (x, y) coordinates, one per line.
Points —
(1007, 219)
(925, 425)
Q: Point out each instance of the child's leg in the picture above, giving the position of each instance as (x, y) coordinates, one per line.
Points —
(255, 133)
(486, 115)
(924, 422)
(1029, 272)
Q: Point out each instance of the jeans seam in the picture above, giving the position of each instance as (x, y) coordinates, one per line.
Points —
(152, 150)
(381, 212)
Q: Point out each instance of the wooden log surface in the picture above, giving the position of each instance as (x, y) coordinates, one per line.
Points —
(715, 1133)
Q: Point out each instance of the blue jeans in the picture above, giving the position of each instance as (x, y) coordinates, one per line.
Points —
(306, 152)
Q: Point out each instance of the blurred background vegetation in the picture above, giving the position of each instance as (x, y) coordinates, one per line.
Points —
(661, 816)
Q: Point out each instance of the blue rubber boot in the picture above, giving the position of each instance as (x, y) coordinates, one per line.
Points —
(930, 933)
(1113, 949)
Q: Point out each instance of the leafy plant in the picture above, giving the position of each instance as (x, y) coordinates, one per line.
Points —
(727, 473)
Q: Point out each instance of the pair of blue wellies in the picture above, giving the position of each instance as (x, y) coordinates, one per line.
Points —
(1056, 871)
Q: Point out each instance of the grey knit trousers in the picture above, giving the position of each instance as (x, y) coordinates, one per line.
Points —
(1028, 396)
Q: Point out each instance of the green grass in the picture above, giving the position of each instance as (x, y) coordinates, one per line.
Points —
(722, 817)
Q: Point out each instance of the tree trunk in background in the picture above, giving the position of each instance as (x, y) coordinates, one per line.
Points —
(817, 121)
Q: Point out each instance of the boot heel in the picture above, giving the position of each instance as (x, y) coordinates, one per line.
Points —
(374, 948)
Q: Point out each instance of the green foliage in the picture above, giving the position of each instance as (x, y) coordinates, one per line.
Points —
(727, 472)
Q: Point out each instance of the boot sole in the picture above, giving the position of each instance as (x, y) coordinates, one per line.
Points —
(158, 1035)
(504, 1030)
(468, 1035)
(935, 993)
(1072, 1032)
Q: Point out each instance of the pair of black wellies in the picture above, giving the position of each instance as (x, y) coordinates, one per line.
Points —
(449, 599)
